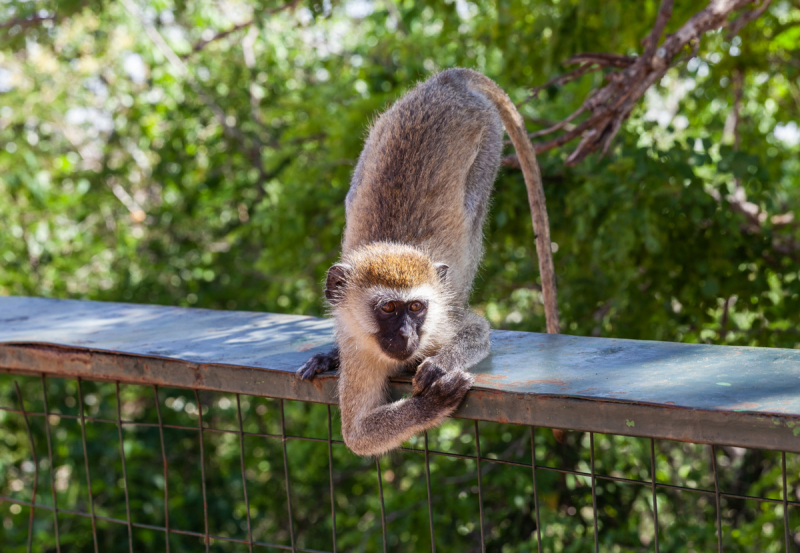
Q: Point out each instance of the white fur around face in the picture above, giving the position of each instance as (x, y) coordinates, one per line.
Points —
(356, 325)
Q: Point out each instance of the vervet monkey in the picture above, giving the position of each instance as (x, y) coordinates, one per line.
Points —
(412, 244)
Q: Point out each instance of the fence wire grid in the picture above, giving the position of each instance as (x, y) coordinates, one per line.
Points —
(99, 466)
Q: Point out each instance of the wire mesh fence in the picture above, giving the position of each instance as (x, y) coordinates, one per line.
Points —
(113, 466)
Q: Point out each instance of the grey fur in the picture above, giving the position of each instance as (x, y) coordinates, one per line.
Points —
(435, 149)
(422, 184)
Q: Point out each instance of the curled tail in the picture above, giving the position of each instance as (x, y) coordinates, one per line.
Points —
(515, 127)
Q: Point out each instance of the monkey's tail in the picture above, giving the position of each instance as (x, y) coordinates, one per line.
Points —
(515, 127)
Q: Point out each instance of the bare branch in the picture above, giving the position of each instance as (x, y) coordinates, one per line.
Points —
(783, 219)
(739, 24)
(248, 49)
(511, 161)
(558, 126)
(25, 22)
(392, 9)
(602, 59)
(663, 17)
(539, 121)
(219, 36)
(561, 80)
(589, 63)
(253, 151)
(738, 202)
(610, 105)
(200, 45)
(723, 332)
(184, 71)
(788, 247)
(138, 214)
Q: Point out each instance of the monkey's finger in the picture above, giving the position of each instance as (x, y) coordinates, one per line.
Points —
(306, 372)
(427, 374)
(455, 386)
(320, 362)
(309, 369)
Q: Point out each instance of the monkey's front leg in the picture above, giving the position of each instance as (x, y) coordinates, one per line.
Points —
(377, 430)
(319, 362)
(439, 385)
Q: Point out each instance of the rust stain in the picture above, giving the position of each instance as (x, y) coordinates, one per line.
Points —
(199, 378)
(481, 394)
(489, 378)
(541, 381)
(317, 382)
(746, 405)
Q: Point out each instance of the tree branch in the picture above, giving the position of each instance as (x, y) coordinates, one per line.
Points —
(589, 63)
(25, 22)
(561, 80)
(184, 71)
(737, 25)
(602, 59)
(738, 202)
(663, 17)
(230, 129)
(201, 44)
(395, 12)
(611, 105)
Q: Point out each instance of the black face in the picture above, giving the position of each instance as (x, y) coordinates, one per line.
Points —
(399, 325)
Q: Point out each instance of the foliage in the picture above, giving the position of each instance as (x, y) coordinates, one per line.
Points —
(218, 181)
(625, 511)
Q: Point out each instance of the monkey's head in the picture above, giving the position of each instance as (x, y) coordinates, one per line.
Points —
(389, 297)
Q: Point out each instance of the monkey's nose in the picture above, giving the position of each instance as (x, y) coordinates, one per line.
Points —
(405, 332)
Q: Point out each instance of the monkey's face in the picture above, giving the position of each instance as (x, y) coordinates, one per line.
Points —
(390, 302)
(400, 326)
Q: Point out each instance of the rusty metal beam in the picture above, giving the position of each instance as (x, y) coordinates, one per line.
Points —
(747, 397)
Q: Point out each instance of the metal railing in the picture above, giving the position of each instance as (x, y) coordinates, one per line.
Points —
(134, 366)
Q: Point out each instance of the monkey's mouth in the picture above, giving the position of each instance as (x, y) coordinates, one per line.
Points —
(399, 350)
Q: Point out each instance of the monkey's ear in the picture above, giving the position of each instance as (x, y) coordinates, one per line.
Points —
(441, 270)
(336, 281)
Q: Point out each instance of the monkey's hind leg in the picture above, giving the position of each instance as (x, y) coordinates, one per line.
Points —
(319, 362)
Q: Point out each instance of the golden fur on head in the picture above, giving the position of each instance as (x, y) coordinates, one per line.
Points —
(393, 266)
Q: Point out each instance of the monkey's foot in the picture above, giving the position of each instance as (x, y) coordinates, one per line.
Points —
(442, 389)
(320, 362)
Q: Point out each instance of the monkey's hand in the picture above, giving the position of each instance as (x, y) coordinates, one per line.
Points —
(442, 389)
(319, 362)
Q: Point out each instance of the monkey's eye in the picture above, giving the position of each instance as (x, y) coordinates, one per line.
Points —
(388, 307)
(416, 306)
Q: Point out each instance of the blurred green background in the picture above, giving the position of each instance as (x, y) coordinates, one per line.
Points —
(147, 154)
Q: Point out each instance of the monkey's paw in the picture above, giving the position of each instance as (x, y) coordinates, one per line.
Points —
(319, 362)
(443, 389)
